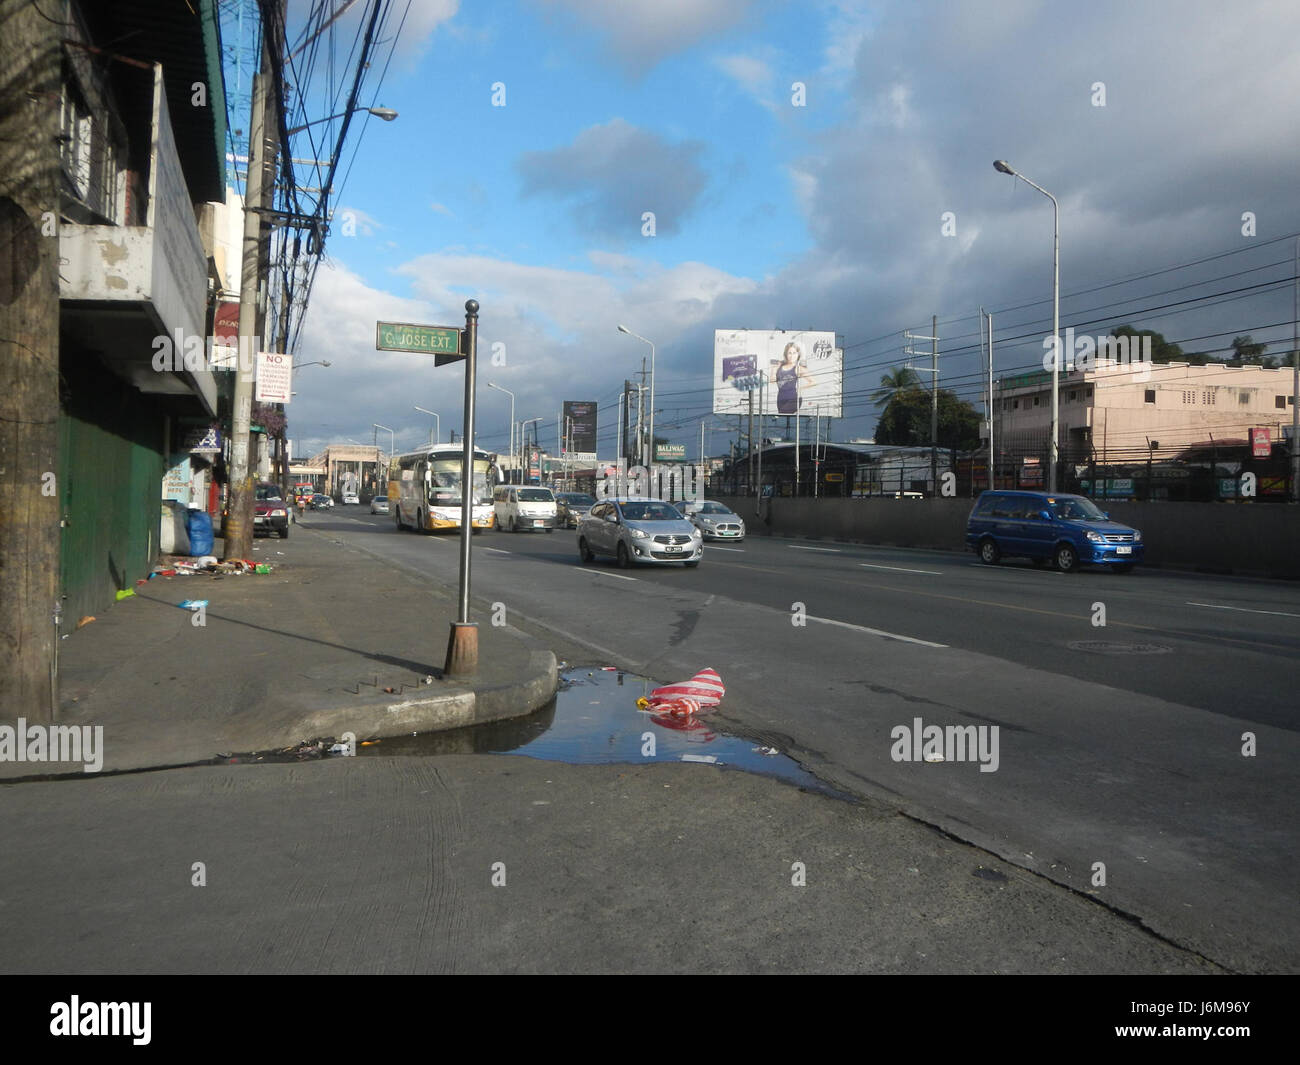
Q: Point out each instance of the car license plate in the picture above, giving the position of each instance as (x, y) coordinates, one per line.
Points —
(1123, 550)
(538, 524)
(671, 550)
(259, 520)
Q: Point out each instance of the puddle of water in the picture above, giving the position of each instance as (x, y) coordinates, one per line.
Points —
(594, 720)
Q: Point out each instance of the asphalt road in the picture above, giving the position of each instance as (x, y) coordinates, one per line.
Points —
(1121, 770)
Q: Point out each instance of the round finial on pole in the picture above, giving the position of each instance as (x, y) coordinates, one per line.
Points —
(471, 307)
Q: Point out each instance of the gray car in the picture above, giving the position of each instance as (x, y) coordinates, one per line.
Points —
(715, 521)
(639, 530)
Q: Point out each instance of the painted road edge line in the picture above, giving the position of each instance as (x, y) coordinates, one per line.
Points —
(1245, 610)
(901, 569)
(876, 632)
(828, 550)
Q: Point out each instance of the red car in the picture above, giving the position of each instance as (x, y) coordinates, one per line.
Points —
(270, 511)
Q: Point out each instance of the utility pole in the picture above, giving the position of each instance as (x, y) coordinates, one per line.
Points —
(239, 517)
(646, 450)
(30, 497)
(934, 403)
(750, 441)
(1295, 382)
(992, 452)
(934, 394)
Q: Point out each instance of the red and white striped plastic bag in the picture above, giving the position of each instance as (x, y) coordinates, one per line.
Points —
(702, 692)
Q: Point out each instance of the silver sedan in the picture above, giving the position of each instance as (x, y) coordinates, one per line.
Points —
(639, 530)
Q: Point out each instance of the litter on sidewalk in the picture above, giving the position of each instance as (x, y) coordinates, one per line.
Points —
(193, 604)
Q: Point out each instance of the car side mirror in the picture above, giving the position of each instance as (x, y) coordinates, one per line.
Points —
(1106, 514)
(1046, 515)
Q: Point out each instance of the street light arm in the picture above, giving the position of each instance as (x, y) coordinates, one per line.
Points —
(385, 113)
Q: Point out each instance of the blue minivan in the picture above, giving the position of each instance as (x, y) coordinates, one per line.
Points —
(1067, 530)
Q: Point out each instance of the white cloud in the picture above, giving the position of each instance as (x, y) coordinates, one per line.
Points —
(643, 32)
(751, 73)
(559, 328)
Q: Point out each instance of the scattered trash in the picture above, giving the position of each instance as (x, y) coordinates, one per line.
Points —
(428, 679)
(193, 604)
(704, 691)
(765, 750)
(390, 691)
(710, 759)
(86, 620)
(124, 593)
(262, 569)
(607, 669)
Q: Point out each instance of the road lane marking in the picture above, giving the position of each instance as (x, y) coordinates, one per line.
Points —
(499, 550)
(901, 569)
(602, 573)
(875, 632)
(738, 550)
(1245, 610)
(829, 550)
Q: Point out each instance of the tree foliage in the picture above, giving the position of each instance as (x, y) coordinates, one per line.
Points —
(906, 421)
(894, 382)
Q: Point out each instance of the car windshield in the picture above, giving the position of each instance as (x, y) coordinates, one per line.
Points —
(577, 499)
(1077, 510)
(712, 508)
(268, 491)
(381, 499)
(535, 495)
(649, 512)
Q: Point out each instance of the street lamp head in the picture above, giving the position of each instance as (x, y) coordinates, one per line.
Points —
(624, 329)
(327, 363)
(386, 113)
(1003, 167)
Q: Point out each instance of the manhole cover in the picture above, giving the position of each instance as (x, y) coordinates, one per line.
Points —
(1111, 647)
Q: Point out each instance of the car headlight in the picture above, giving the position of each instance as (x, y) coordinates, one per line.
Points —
(1137, 536)
(640, 534)
(1096, 537)
(695, 534)
(278, 513)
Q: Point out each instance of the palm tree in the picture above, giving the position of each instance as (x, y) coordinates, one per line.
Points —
(894, 382)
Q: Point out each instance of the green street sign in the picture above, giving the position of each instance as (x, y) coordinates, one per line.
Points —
(440, 340)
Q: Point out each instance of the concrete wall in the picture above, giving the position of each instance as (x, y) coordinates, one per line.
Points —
(1259, 539)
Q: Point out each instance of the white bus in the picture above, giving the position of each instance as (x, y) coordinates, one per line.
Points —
(424, 488)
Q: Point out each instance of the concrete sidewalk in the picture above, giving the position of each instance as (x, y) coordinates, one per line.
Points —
(331, 641)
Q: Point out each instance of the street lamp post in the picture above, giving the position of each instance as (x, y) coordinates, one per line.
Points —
(392, 439)
(1003, 167)
(320, 362)
(512, 419)
(651, 430)
(386, 113)
(436, 435)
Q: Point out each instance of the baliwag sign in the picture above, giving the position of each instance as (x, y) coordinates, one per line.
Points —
(274, 369)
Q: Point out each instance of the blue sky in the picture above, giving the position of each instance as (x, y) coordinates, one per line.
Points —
(825, 216)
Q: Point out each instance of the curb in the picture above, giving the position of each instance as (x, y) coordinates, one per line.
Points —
(437, 713)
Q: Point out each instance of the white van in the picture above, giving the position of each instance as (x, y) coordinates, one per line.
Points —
(521, 507)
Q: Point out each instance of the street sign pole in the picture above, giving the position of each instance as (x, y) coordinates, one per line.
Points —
(462, 642)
